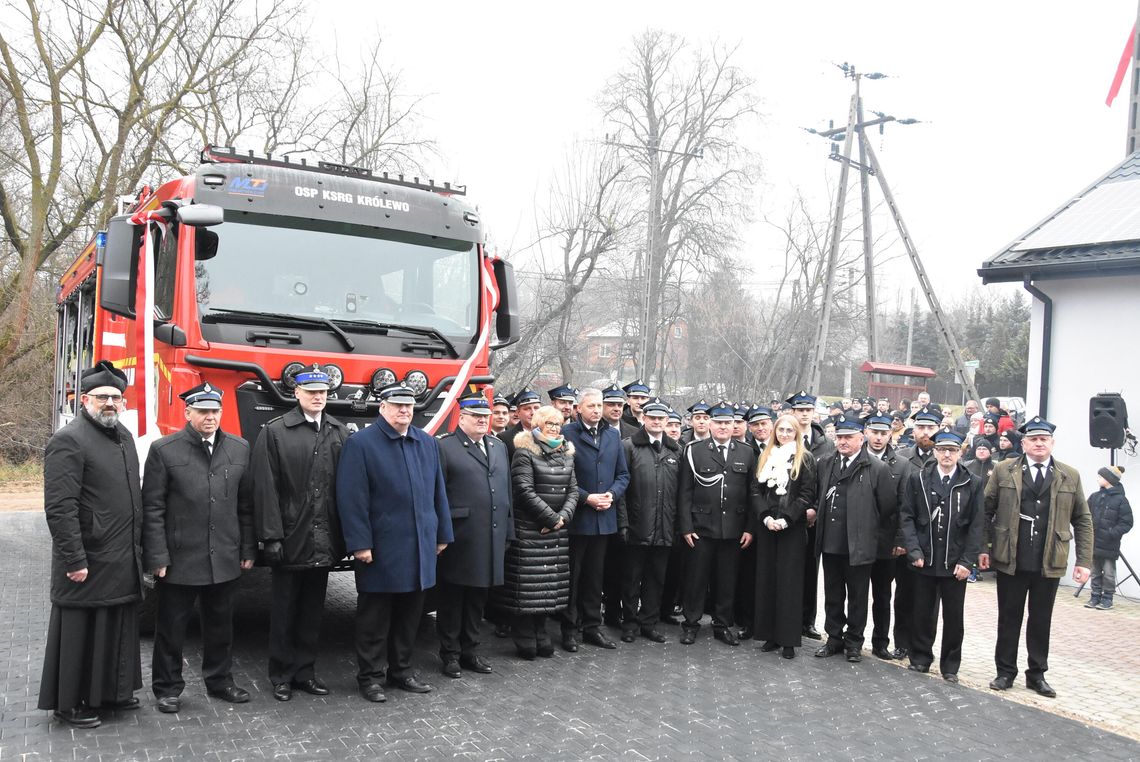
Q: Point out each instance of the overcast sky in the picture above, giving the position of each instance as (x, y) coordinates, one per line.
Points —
(1011, 96)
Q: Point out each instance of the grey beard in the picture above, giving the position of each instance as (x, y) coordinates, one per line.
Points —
(107, 419)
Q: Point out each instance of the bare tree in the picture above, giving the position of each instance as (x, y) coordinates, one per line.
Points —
(679, 108)
(584, 222)
(94, 85)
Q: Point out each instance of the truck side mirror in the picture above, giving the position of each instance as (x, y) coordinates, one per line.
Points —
(201, 215)
(119, 261)
(507, 314)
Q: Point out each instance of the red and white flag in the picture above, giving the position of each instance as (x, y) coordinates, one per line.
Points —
(1122, 67)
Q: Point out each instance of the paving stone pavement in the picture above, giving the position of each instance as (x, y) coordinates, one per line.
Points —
(642, 701)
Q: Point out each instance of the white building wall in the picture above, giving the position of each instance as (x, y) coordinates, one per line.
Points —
(1095, 348)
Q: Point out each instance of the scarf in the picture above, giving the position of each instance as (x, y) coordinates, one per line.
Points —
(548, 444)
(777, 469)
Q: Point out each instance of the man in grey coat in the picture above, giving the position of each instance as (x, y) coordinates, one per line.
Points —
(478, 479)
(197, 538)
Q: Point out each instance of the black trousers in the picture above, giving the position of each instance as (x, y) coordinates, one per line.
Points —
(904, 602)
(587, 566)
(175, 607)
(744, 607)
(529, 631)
(613, 579)
(644, 579)
(1012, 592)
(929, 592)
(715, 562)
(674, 573)
(882, 594)
(779, 575)
(458, 616)
(295, 623)
(386, 625)
(842, 581)
(811, 579)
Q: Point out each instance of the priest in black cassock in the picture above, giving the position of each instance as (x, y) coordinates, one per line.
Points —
(94, 514)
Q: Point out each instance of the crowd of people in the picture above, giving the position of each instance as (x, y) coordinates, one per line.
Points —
(604, 508)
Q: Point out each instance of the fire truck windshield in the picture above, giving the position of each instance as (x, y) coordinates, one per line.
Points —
(336, 271)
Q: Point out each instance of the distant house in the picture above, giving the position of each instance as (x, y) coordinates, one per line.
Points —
(612, 349)
(1082, 266)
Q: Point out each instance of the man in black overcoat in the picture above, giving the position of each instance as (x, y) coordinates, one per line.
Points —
(197, 538)
(94, 514)
(856, 496)
(294, 476)
(478, 479)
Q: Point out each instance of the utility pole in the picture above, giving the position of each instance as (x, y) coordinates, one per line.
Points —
(833, 250)
(869, 165)
(868, 253)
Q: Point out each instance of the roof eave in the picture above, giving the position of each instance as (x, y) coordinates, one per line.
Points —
(1045, 271)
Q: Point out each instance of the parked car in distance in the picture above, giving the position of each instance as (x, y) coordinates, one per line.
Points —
(1015, 406)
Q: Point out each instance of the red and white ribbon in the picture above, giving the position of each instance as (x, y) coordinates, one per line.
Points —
(491, 303)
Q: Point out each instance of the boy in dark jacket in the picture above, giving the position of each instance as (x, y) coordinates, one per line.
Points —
(1112, 518)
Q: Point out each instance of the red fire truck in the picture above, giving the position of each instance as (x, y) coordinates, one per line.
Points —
(254, 268)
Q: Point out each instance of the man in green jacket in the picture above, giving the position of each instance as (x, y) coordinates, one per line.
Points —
(1034, 507)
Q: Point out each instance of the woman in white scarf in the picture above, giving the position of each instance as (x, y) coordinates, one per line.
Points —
(786, 477)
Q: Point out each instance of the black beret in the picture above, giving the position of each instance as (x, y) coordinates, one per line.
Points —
(103, 374)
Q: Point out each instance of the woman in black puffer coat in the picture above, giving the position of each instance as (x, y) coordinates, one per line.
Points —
(537, 568)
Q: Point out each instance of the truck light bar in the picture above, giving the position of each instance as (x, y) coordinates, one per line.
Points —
(229, 155)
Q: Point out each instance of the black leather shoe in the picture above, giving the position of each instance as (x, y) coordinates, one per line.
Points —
(653, 635)
(374, 692)
(727, 636)
(313, 686)
(169, 704)
(950, 677)
(1041, 687)
(853, 655)
(79, 717)
(788, 652)
(131, 703)
(900, 653)
(882, 653)
(827, 649)
(1001, 683)
(688, 637)
(451, 668)
(769, 646)
(569, 642)
(527, 654)
(628, 636)
(546, 650)
(230, 693)
(476, 663)
(811, 632)
(923, 668)
(409, 684)
(597, 638)
(282, 691)
(745, 633)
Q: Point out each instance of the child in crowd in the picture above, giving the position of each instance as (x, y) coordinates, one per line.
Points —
(1112, 518)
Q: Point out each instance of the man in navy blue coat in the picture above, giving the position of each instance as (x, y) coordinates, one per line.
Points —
(395, 518)
(599, 464)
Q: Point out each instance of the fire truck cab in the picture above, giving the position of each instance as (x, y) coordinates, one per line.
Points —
(262, 267)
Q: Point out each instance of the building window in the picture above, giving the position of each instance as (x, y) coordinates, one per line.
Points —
(603, 350)
(677, 332)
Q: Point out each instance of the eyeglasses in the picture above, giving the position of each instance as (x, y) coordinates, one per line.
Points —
(103, 399)
(552, 425)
